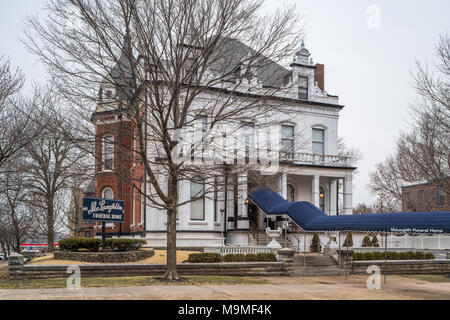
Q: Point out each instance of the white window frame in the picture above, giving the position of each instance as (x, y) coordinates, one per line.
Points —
(300, 77)
(200, 199)
(106, 189)
(291, 152)
(323, 142)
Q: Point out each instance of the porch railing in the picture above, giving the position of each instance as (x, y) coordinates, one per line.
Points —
(315, 159)
(238, 250)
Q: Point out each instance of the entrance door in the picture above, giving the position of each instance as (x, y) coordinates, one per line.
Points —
(253, 214)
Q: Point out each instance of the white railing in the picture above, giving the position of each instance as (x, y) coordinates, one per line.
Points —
(238, 250)
(187, 242)
(316, 159)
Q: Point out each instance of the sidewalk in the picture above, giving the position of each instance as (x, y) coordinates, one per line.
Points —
(295, 288)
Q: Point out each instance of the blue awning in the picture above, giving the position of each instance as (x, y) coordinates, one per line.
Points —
(311, 218)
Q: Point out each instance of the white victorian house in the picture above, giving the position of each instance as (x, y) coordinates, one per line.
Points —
(309, 169)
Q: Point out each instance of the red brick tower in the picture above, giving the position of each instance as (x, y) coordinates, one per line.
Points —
(119, 173)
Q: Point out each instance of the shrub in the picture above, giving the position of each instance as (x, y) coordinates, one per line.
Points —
(378, 255)
(124, 244)
(75, 244)
(366, 242)
(367, 256)
(266, 257)
(429, 256)
(348, 242)
(357, 256)
(204, 257)
(411, 255)
(375, 242)
(234, 258)
(315, 243)
(392, 255)
(251, 257)
(403, 256)
(419, 255)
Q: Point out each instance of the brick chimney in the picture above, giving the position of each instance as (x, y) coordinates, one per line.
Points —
(319, 75)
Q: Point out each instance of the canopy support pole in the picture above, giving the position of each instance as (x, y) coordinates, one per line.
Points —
(304, 253)
(339, 251)
(346, 257)
(385, 256)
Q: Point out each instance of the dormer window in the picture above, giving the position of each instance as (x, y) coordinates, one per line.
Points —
(303, 88)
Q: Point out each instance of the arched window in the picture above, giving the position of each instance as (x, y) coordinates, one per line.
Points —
(322, 199)
(108, 193)
(290, 193)
(198, 199)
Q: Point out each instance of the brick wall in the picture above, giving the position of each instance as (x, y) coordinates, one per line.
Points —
(424, 197)
(126, 176)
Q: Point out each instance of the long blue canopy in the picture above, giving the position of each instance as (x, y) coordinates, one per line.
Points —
(311, 218)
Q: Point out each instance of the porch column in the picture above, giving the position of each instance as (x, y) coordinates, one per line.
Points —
(333, 197)
(348, 195)
(243, 223)
(230, 204)
(316, 190)
(221, 200)
(283, 185)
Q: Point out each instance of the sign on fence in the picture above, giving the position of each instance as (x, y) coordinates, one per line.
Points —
(103, 210)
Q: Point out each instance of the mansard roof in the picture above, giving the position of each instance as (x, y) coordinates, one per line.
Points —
(269, 73)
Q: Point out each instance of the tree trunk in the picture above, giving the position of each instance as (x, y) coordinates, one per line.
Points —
(50, 225)
(5, 254)
(171, 272)
(16, 231)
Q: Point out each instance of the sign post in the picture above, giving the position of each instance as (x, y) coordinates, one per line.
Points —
(103, 210)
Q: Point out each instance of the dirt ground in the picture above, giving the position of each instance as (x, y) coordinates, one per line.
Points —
(289, 288)
(158, 258)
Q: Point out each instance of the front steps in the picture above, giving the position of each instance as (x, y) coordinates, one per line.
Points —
(260, 239)
(316, 266)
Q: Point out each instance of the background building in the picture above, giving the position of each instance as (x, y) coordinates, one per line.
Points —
(424, 197)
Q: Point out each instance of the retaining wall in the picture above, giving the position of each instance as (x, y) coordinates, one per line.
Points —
(404, 266)
(124, 270)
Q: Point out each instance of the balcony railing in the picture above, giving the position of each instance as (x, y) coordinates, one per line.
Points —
(315, 159)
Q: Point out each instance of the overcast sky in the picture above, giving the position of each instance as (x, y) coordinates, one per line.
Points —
(368, 64)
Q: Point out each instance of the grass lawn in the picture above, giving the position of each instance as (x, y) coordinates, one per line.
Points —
(6, 283)
(436, 278)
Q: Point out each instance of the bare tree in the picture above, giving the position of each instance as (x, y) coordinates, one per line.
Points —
(352, 153)
(15, 121)
(14, 198)
(423, 154)
(53, 161)
(163, 65)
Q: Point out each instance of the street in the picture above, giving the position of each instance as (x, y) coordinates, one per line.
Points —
(285, 288)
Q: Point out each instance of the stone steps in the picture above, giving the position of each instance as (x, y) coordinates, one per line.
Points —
(315, 266)
(260, 239)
